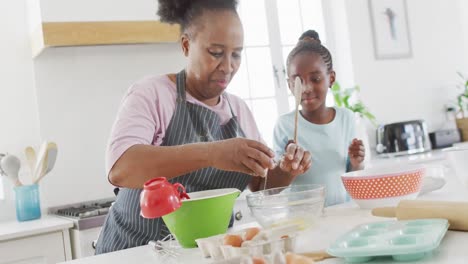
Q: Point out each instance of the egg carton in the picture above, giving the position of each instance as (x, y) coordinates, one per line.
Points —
(267, 241)
(275, 258)
(402, 240)
(259, 248)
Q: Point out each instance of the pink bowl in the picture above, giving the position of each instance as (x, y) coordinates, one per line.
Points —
(384, 186)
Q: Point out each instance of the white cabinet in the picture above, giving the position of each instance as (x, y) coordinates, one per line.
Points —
(44, 249)
(58, 23)
(44, 241)
(83, 242)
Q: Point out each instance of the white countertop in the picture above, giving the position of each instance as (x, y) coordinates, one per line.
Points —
(425, 157)
(47, 223)
(336, 221)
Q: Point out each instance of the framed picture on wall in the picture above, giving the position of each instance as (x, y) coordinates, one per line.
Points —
(389, 21)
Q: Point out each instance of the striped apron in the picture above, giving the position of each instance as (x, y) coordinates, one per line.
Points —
(124, 227)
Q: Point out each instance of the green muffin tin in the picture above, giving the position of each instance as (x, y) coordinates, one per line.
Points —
(402, 240)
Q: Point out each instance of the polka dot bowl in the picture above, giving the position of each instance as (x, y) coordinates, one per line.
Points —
(384, 186)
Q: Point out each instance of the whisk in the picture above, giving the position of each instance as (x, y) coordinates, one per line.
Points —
(167, 248)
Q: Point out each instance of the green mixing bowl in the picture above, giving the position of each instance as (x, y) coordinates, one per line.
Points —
(207, 213)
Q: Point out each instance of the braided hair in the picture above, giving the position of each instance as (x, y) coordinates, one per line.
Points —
(309, 42)
(186, 12)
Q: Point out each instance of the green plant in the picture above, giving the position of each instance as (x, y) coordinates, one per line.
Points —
(462, 99)
(342, 99)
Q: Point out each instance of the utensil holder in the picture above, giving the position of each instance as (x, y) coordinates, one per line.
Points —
(28, 203)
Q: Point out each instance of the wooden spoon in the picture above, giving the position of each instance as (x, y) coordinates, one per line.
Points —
(31, 158)
(40, 160)
(298, 96)
(48, 161)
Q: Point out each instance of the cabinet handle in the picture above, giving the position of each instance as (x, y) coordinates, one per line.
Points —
(93, 244)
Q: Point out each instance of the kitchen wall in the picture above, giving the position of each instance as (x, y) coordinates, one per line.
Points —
(19, 125)
(416, 87)
(79, 91)
(74, 94)
(462, 11)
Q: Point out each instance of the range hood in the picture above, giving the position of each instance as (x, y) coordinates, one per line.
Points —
(65, 23)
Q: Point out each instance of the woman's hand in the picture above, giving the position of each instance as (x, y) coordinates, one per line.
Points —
(295, 160)
(243, 155)
(356, 153)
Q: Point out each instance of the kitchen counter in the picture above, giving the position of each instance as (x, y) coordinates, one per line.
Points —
(336, 221)
(425, 157)
(46, 224)
(45, 240)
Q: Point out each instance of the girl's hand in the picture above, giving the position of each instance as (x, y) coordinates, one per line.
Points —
(356, 153)
(296, 160)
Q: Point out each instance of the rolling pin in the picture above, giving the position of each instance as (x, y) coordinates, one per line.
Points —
(455, 212)
(317, 255)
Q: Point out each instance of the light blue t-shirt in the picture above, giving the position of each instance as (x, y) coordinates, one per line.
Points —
(328, 145)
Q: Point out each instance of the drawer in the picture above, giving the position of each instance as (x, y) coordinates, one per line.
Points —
(40, 249)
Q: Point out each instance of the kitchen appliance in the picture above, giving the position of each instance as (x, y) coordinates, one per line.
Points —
(88, 218)
(403, 138)
(444, 138)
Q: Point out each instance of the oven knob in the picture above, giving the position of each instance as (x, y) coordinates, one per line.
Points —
(238, 215)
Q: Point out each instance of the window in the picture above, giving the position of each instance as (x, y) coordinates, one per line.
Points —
(271, 29)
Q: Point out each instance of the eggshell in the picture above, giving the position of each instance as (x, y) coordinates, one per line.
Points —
(232, 240)
(251, 233)
(258, 261)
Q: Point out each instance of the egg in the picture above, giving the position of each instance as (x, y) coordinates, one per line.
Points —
(251, 233)
(232, 240)
(258, 261)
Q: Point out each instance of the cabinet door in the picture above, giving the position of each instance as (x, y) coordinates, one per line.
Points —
(40, 249)
(83, 242)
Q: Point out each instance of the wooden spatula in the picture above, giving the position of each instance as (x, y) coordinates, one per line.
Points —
(31, 158)
(48, 161)
(297, 96)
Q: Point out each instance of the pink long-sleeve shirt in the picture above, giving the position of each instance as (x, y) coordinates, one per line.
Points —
(147, 109)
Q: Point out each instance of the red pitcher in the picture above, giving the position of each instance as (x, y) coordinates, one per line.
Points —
(159, 197)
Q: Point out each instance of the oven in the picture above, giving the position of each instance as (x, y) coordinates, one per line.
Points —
(88, 219)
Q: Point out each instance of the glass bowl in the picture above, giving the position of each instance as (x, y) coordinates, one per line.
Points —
(298, 205)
